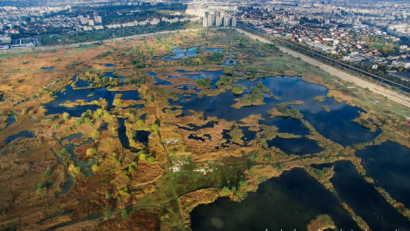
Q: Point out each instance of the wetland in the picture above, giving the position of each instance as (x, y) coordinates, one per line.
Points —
(196, 131)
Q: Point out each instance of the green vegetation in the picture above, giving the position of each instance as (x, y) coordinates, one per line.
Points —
(286, 112)
(326, 109)
(206, 82)
(319, 99)
(238, 89)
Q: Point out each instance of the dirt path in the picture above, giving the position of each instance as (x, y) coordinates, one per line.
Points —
(392, 95)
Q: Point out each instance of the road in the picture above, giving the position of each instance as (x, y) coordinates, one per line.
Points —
(392, 95)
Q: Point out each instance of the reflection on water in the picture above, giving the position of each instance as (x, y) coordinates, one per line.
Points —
(185, 53)
(389, 165)
(336, 124)
(122, 134)
(298, 146)
(11, 120)
(25, 134)
(288, 202)
(87, 95)
(365, 200)
(82, 164)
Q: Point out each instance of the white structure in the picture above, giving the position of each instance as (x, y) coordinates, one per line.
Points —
(98, 19)
(218, 21)
(226, 21)
(233, 24)
(204, 22)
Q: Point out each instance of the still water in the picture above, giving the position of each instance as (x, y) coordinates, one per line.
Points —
(288, 202)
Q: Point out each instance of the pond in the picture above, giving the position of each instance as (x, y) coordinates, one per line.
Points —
(297, 146)
(336, 124)
(365, 201)
(87, 95)
(389, 165)
(285, 203)
(11, 120)
(190, 52)
(122, 134)
(82, 164)
(67, 186)
(140, 136)
(109, 65)
(230, 61)
(24, 134)
(47, 68)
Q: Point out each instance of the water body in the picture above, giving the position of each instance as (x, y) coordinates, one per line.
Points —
(122, 134)
(82, 164)
(288, 202)
(109, 65)
(195, 127)
(82, 94)
(142, 136)
(182, 54)
(389, 165)
(67, 186)
(24, 134)
(214, 75)
(11, 120)
(212, 50)
(365, 200)
(336, 124)
(287, 125)
(47, 68)
(298, 146)
(229, 61)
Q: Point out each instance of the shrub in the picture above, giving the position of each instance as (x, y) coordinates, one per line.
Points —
(155, 127)
(124, 214)
(91, 151)
(96, 134)
(151, 159)
(48, 172)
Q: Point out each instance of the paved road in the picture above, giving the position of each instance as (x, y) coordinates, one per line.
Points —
(392, 95)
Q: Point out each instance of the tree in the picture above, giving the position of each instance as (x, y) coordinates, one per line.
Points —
(124, 214)
(63, 151)
(225, 190)
(155, 127)
(105, 80)
(66, 116)
(107, 195)
(108, 213)
(96, 134)
(91, 151)
(77, 170)
(56, 125)
(95, 168)
(143, 156)
(47, 173)
(41, 191)
(151, 159)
